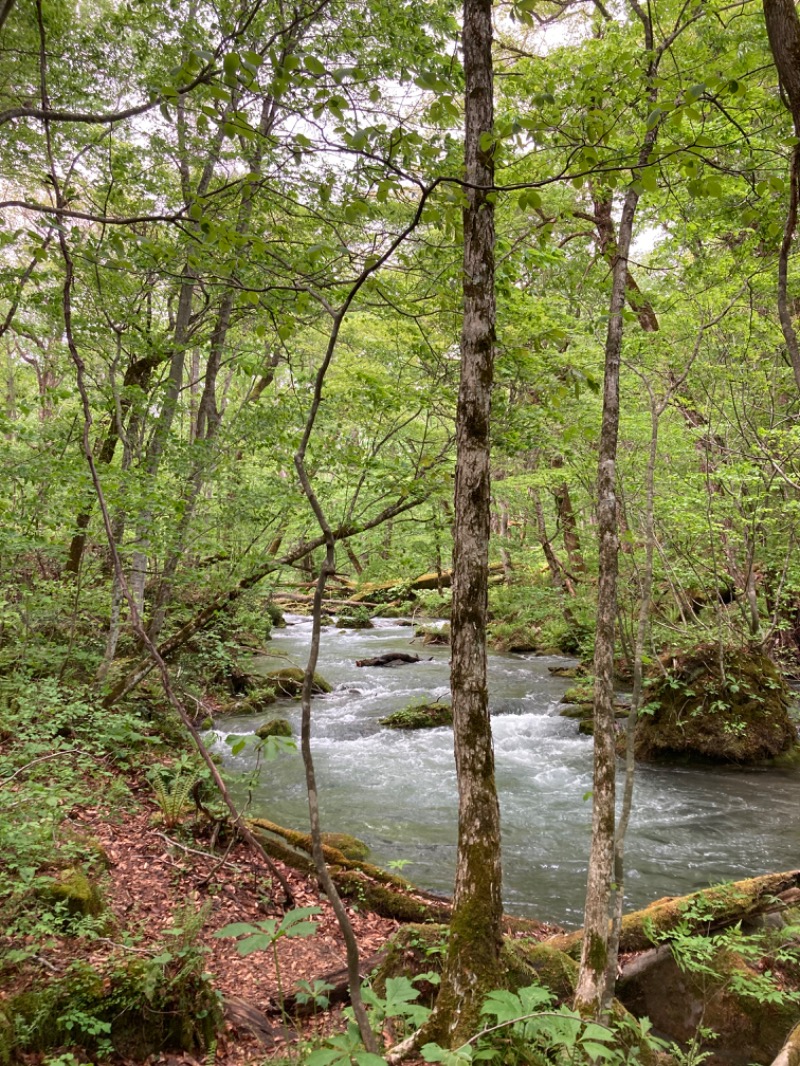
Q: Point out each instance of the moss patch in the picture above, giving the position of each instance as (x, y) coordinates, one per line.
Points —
(256, 702)
(420, 716)
(73, 890)
(431, 635)
(140, 1008)
(740, 716)
(350, 847)
(514, 637)
(275, 727)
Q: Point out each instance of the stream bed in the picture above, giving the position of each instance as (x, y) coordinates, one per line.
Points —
(396, 790)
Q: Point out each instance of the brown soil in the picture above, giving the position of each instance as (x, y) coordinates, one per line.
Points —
(152, 874)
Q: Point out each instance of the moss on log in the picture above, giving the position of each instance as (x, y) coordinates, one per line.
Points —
(711, 908)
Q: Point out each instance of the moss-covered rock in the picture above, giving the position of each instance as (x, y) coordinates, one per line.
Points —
(514, 637)
(580, 694)
(275, 727)
(275, 615)
(289, 682)
(345, 621)
(727, 996)
(573, 711)
(567, 671)
(414, 949)
(420, 716)
(73, 891)
(738, 714)
(351, 847)
(142, 1007)
(432, 635)
(255, 701)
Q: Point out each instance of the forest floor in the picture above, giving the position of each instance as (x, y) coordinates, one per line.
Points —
(153, 874)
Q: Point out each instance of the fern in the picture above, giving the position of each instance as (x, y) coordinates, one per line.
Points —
(174, 801)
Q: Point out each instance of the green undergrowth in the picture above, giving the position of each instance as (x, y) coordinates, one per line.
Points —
(61, 752)
(530, 617)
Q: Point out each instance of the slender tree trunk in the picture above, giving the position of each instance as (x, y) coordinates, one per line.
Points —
(472, 967)
(589, 993)
(783, 30)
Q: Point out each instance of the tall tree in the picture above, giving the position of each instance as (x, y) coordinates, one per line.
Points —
(473, 961)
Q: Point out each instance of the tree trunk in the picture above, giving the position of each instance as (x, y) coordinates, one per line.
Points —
(783, 30)
(472, 967)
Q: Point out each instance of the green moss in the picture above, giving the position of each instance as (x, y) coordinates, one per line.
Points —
(582, 693)
(141, 1008)
(433, 635)
(275, 727)
(351, 847)
(73, 890)
(255, 702)
(598, 953)
(552, 968)
(289, 682)
(514, 637)
(420, 716)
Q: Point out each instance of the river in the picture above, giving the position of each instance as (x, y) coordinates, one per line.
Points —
(396, 790)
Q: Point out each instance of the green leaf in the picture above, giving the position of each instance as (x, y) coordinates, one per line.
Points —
(313, 65)
(236, 929)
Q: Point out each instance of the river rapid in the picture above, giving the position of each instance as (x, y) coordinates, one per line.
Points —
(396, 790)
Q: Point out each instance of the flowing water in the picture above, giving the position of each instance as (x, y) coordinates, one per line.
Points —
(396, 790)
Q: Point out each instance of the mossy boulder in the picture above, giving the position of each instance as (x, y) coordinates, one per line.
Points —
(351, 847)
(275, 727)
(431, 635)
(255, 701)
(727, 996)
(345, 621)
(580, 694)
(289, 682)
(420, 716)
(514, 637)
(567, 671)
(275, 615)
(414, 949)
(73, 891)
(736, 711)
(141, 1007)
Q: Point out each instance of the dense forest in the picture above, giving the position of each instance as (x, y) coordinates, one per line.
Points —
(401, 336)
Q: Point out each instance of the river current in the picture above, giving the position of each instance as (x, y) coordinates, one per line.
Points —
(396, 790)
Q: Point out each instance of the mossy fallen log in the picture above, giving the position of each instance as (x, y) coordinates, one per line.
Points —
(392, 590)
(789, 1055)
(703, 911)
(375, 889)
(379, 891)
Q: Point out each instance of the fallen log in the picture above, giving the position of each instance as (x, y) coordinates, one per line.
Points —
(375, 889)
(392, 658)
(297, 597)
(703, 912)
(390, 590)
(789, 1055)
(383, 893)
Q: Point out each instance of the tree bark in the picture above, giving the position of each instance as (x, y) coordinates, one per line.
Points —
(783, 30)
(472, 967)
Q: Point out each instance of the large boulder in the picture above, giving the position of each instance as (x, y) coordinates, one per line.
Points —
(730, 708)
(289, 682)
(420, 716)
